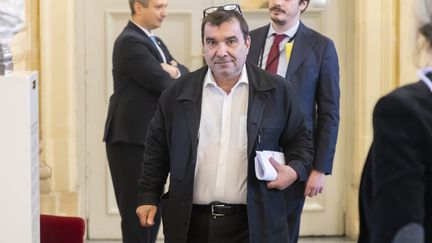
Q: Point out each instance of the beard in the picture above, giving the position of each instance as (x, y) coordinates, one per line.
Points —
(278, 21)
(275, 18)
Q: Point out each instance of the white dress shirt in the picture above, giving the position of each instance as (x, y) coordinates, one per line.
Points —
(222, 165)
(283, 62)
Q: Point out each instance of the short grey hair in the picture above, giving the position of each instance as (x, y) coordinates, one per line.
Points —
(131, 5)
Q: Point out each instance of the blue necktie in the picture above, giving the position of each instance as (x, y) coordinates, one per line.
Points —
(153, 38)
(155, 42)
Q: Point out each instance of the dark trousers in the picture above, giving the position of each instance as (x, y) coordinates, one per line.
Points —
(206, 228)
(125, 165)
(295, 201)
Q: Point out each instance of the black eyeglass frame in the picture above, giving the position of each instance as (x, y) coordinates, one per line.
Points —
(226, 7)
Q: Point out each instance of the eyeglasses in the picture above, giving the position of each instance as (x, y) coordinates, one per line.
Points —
(227, 7)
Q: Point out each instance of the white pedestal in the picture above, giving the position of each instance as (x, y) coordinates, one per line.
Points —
(19, 158)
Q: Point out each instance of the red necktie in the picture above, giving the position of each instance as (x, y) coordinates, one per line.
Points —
(273, 57)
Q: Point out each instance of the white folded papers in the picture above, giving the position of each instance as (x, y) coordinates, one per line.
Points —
(264, 170)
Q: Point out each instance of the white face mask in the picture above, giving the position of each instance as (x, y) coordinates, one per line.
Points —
(421, 73)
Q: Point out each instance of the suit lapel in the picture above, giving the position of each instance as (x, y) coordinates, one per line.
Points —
(154, 49)
(302, 46)
(146, 39)
(162, 47)
(258, 44)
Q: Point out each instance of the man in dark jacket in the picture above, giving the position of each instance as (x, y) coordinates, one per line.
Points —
(205, 134)
(142, 69)
(309, 61)
(396, 184)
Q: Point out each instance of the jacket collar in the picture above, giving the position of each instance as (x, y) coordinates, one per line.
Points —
(257, 83)
(131, 25)
(259, 86)
(192, 90)
(302, 46)
(138, 30)
(256, 79)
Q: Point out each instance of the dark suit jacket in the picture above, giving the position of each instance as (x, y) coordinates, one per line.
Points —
(274, 114)
(138, 82)
(396, 186)
(313, 70)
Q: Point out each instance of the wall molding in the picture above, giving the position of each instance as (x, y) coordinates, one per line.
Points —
(375, 58)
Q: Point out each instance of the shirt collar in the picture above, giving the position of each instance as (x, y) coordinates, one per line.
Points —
(209, 79)
(422, 74)
(290, 32)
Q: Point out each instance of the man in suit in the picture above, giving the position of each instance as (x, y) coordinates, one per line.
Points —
(205, 134)
(307, 60)
(142, 69)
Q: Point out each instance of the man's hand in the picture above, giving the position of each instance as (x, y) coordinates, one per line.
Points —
(174, 63)
(171, 69)
(315, 183)
(285, 176)
(146, 214)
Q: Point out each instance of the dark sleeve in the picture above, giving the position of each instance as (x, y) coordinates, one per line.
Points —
(296, 139)
(183, 69)
(155, 164)
(398, 169)
(137, 60)
(327, 99)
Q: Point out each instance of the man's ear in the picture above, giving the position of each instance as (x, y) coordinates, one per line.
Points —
(137, 7)
(303, 6)
(248, 42)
